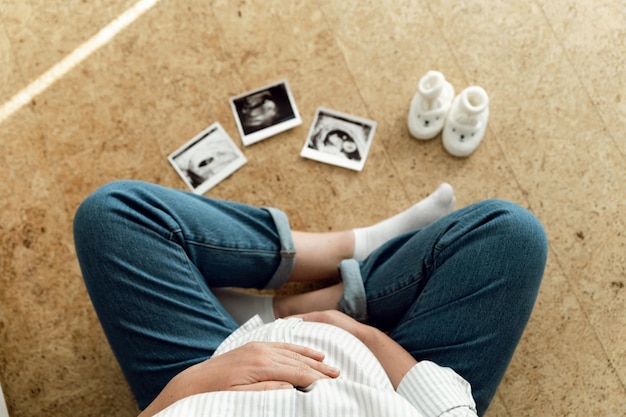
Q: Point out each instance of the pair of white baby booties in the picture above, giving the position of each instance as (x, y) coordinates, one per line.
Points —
(463, 119)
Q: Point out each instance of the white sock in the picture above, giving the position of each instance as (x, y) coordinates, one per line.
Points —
(423, 213)
(243, 305)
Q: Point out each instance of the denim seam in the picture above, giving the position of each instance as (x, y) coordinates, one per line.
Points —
(392, 293)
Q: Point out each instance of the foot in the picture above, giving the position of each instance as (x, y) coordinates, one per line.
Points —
(436, 205)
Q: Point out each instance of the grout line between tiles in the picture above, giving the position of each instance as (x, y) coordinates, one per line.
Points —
(599, 113)
(578, 76)
(388, 157)
(572, 288)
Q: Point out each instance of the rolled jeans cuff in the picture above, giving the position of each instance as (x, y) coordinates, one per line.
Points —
(353, 302)
(287, 249)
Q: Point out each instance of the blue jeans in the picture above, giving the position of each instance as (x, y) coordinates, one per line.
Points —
(458, 292)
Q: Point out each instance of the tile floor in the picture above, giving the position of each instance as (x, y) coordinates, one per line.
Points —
(556, 75)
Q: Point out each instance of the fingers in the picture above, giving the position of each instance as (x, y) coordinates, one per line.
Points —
(303, 351)
(297, 365)
(305, 363)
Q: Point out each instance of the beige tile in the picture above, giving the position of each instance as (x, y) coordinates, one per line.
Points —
(270, 42)
(54, 356)
(9, 76)
(497, 408)
(79, 175)
(596, 28)
(107, 102)
(24, 169)
(47, 349)
(34, 26)
(602, 290)
(387, 53)
(561, 357)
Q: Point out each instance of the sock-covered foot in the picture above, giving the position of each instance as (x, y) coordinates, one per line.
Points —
(423, 213)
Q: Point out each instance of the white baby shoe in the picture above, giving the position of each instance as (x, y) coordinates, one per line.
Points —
(466, 122)
(430, 105)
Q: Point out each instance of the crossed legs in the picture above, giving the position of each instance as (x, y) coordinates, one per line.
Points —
(151, 256)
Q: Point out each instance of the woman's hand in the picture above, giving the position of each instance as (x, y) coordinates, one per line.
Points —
(262, 365)
(254, 366)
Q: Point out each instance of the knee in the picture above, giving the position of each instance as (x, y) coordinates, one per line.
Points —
(99, 208)
(517, 224)
(517, 233)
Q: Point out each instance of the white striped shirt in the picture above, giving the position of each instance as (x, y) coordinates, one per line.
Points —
(362, 389)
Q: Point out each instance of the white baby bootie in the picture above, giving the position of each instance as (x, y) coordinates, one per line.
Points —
(466, 122)
(430, 105)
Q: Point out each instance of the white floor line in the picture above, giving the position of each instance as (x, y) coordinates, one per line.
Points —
(3, 406)
(76, 57)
